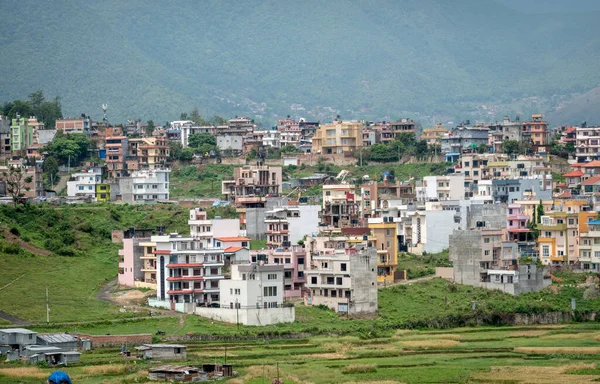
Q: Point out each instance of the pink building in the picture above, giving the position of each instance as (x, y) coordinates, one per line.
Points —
(516, 224)
(137, 263)
(293, 259)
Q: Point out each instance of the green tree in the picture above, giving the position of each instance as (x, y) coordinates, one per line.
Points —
(175, 150)
(16, 183)
(289, 149)
(510, 147)
(195, 140)
(196, 118)
(150, 128)
(187, 154)
(36, 99)
(218, 120)
(382, 153)
(72, 147)
(50, 168)
(540, 212)
(483, 148)
(421, 149)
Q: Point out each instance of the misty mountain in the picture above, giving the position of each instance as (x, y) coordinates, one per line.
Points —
(426, 59)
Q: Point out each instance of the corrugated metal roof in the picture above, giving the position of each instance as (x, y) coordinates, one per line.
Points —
(58, 338)
(17, 330)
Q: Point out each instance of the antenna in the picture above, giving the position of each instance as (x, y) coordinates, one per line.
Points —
(104, 108)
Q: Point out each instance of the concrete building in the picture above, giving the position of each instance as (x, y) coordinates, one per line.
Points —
(427, 231)
(294, 261)
(342, 207)
(587, 143)
(589, 247)
(271, 139)
(536, 130)
(502, 131)
(137, 263)
(253, 285)
(5, 134)
(464, 138)
(384, 238)
(142, 187)
(338, 137)
(480, 258)
(149, 153)
(21, 134)
(475, 167)
(511, 190)
(79, 125)
(84, 183)
(441, 188)
(117, 151)
(252, 184)
(343, 279)
(433, 136)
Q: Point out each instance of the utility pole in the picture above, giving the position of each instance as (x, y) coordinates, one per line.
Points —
(237, 314)
(47, 308)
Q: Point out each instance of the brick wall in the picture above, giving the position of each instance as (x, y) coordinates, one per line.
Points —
(118, 340)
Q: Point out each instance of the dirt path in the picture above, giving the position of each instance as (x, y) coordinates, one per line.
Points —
(105, 293)
(25, 245)
(13, 319)
(404, 282)
(62, 183)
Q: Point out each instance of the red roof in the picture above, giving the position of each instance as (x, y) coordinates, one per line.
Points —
(233, 249)
(162, 252)
(576, 173)
(565, 194)
(593, 164)
(570, 129)
(561, 185)
(229, 239)
(591, 181)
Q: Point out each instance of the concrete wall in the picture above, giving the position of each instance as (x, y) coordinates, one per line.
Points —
(494, 215)
(444, 272)
(255, 223)
(465, 254)
(46, 135)
(249, 316)
(363, 268)
(306, 224)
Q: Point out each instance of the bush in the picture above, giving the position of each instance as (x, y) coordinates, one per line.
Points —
(359, 368)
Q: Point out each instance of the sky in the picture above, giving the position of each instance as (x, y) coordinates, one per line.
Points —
(552, 6)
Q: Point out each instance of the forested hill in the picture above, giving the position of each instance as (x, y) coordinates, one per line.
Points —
(442, 59)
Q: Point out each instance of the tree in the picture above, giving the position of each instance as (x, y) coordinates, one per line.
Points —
(382, 153)
(218, 120)
(195, 140)
(187, 154)
(16, 183)
(50, 168)
(483, 148)
(36, 99)
(65, 148)
(289, 149)
(510, 146)
(196, 118)
(421, 148)
(150, 128)
(540, 212)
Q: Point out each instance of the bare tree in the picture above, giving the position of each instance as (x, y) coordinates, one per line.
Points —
(16, 183)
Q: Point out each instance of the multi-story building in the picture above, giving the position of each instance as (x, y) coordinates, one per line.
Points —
(387, 193)
(5, 134)
(293, 260)
(384, 238)
(433, 136)
(344, 279)
(77, 125)
(338, 137)
(271, 138)
(590, 189)
(559, 232)
(464, 138)
(251, 185)
(342, 207)
(116, 152)
(536, 130)
(150, 185)
(21, 134)
(137, 263)
(441, 188)
(253, 285)
(475, 167)
(500, 132)
(511, 190)
(401, 126)
(84, 183)
(589, 247)
(150, 152)
(587, 143)
(291, 133)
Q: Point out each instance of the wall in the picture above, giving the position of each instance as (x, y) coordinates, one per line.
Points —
(438, 227)
(117, 340)
(306, 224)
(444, 272)
(363, 269)
(249, 316)
(494, 215)
(465, 254)
(255, 223)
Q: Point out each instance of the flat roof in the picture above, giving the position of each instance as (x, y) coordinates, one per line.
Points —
(17, 330)
(165, 345)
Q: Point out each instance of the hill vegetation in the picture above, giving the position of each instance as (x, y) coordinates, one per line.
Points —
(431, 59)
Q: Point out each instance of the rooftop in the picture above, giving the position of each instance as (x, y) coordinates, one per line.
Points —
(233, 238)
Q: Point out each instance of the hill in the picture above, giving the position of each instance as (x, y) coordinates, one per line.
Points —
(431, 60)
(579, 109)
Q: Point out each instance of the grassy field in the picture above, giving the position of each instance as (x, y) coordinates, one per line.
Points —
(534, 355)
(419, 266)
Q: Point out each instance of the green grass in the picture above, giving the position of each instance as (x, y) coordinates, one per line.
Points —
(199, 180)
(258, 244)
(419, 266)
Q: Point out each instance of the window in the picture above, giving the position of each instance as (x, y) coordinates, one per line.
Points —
(313, 279)
(287, 274)
(343, 267)
(597, 254)
(546, 250)
(237, 291)
(330, 280)
(338, 281)
(487, 252)
(486, 240)
(272, 276)
(548, 234)
(288, 260)
(270, 291)
(571, 221)
(301, 261)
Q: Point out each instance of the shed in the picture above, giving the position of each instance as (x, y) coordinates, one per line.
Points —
(51, 355)
(64, 341)
(17, 337)
(163, 351)
(177, 373)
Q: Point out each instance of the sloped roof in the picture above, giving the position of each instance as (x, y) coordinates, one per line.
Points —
(233, 249)
(576, 173)
(593, 164)
(591, 181)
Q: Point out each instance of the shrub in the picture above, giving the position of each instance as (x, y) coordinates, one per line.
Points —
(359, 368)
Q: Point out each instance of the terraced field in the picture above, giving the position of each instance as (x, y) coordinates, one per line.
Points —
(509, 355)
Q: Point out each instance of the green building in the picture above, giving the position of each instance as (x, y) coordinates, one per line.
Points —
(21, 135)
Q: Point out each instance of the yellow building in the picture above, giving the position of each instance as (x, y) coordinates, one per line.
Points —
(338, 137)
(102, 192)
(559, 232)
(148, 259)
(434, 135)
(384, 237)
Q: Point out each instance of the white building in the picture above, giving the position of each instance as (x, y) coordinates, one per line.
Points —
(441, 188)
(345, 280)
(84, 183)
(233, 142)
(271, 138)
(150, 185)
